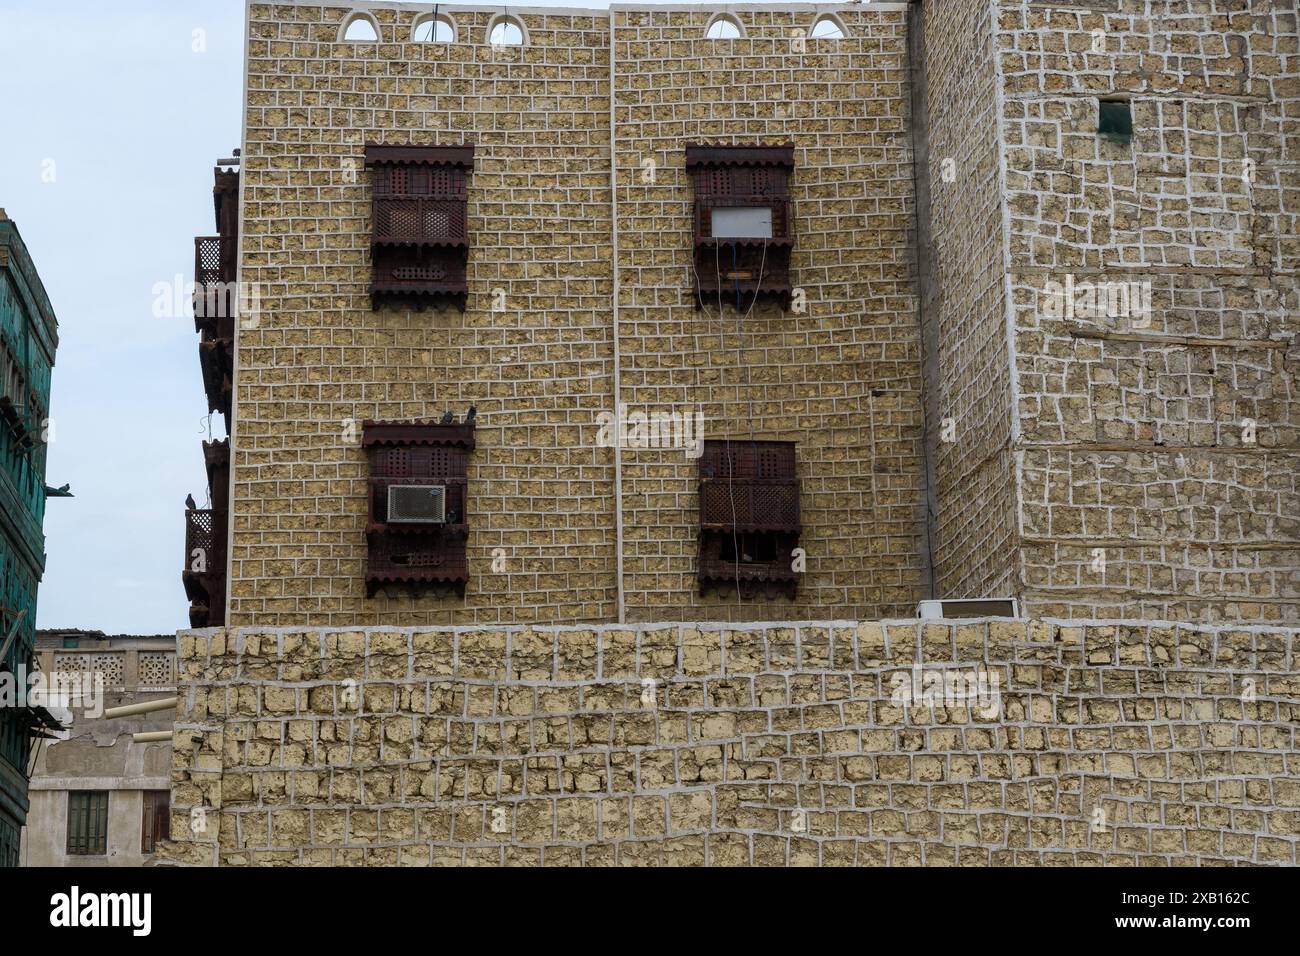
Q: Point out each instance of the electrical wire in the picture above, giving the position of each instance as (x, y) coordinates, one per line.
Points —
(749, 397)
(749, 394)
(699, 294)
(749, 390)
(731, 463)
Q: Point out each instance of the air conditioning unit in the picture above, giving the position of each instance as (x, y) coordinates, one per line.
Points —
(742, 222)
(977, 607)
(417, 504)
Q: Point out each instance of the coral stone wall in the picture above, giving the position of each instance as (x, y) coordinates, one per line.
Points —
(840, 373)
(534, 349)
(1137, 458)
(968, 384)
(971, 742)
(1159, 451)
(1153, 449)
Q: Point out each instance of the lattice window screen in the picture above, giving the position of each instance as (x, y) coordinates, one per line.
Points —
(109, 664)
(156, 669)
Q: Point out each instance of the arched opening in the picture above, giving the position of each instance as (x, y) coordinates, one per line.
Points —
(506, 31)
(827, 27)
(434, 29)
(359, 28)
(724, 27)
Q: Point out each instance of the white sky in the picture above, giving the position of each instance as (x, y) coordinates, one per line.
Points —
(111, 102)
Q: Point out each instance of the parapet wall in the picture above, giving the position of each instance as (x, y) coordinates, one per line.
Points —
(971, 742)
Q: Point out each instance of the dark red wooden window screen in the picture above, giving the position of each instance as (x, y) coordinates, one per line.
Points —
(419, 222)
(417, 557)
(749, 516)
(740, 271)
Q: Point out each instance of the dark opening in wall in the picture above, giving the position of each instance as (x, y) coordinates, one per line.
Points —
(1115, 119)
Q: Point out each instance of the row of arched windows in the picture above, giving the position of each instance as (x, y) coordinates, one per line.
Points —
(505, 30)
(434, 28)
(726, 27)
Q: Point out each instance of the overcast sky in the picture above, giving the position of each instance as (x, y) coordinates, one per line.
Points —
(113, 114)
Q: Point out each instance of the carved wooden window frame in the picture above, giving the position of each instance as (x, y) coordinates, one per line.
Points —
(419, 558)
(749, 508)
(419, 225)
(740, 271)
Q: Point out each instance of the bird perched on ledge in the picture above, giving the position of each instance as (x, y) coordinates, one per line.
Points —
(473, 414)
(189, 502)
(447, 418)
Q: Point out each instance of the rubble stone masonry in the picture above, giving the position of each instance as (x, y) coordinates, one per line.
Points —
(1083, 742)
(1153, 446)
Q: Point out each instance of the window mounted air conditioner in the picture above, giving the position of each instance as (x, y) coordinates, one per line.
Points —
(742, 222)
(417, 504)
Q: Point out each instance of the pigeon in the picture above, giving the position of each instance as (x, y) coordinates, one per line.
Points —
(189, 502)
(447, 418)
(472, 414)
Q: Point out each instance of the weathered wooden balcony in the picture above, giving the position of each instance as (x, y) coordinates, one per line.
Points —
(215, 291)
(204, 574)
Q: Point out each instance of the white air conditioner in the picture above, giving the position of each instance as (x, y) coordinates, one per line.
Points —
(975, 607)
(417, 504)
(742, 222)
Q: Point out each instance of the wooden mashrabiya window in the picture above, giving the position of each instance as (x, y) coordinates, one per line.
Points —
(742, 224)
(417, 528)
(420, 236)
(749, 517)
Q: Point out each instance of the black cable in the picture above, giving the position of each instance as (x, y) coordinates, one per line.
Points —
(735, 271)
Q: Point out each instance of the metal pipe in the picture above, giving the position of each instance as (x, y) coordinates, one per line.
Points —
(148, 707)
(151, 735)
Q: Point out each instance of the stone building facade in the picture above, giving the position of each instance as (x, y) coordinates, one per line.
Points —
(955, 439)
(969, 423)
(99, 797)
(1115, 458)
(842, 379)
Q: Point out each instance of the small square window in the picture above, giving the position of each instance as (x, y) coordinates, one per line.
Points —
(1115, 119)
